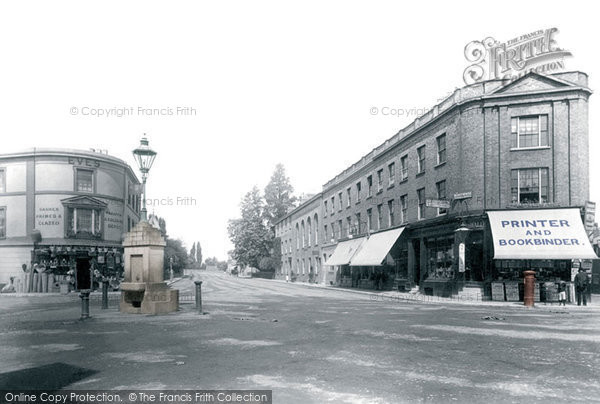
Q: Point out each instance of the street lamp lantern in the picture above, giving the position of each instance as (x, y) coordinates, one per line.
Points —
(144, 157)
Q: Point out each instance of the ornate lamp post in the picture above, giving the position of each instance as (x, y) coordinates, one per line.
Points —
(144, 157)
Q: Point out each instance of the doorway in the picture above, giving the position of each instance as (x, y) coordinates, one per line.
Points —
(83, 275)
(417, 265)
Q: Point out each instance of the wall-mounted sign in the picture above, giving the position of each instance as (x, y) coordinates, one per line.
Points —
(536, 51)
(463, 195)
(48, 216)
(590, 218)
(437, 203)
(82, 161)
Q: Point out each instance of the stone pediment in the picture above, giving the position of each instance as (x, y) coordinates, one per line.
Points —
(84, 202)
(532, 82)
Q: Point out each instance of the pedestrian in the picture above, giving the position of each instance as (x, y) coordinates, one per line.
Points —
(287, 277)
(581, 283)
(562, 293)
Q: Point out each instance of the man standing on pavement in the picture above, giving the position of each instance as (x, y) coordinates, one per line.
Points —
(581, 283)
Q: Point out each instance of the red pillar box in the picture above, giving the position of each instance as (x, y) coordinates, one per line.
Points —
(529, 287)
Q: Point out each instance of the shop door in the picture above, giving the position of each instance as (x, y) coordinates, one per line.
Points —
(417, 268)
(83, 276)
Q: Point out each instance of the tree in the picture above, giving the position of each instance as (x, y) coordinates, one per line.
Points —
(278, 196)
(250, 235)
(198, 253)
(175, 250)
(193, 254)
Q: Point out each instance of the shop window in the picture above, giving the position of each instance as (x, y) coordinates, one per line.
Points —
(529, 131)
(440, 258)
(529, 185)
(421, 160)
(441, 149)
(441, 194)
(84, 180)
(84, 223)
(3, 222)
(2, 180)
(404, 168)
(421, 203)
(391, 173)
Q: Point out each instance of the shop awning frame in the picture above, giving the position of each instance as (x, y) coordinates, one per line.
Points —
(344, 251)
(376, 248)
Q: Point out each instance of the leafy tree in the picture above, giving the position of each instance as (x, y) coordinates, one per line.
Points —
(175, 250)
(250, 235)
(278, 196)
(193, 254)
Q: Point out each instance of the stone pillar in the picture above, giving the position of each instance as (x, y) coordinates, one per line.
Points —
(144, 290)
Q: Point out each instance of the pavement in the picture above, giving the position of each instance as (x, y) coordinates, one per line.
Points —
(309, 344)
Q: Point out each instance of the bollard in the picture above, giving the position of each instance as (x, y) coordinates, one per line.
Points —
(85, 304)
(529, 287)
(198, 296)
(104, 295)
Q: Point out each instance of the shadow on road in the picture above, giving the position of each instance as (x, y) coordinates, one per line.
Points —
(54, 376)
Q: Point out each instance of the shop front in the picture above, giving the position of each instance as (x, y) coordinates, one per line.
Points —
(340, 260)
(381, 261)
(551, 242)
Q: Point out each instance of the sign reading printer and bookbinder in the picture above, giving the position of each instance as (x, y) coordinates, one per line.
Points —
(539, 234)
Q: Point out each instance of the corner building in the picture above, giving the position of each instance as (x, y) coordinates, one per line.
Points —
(424, 209)
(81, 202)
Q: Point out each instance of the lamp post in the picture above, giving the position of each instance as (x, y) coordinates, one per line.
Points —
(144, 157)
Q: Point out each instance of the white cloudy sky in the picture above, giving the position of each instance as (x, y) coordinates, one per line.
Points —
(271, 81)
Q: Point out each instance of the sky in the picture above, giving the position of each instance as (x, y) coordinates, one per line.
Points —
(241, 86)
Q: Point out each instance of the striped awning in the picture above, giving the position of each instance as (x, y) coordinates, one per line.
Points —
(344, 251)
(376, 248)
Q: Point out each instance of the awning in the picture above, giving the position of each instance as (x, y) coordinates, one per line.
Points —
(376, 247)
(344, 251)
(539, 234)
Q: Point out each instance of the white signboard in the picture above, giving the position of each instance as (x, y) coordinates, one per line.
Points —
(539, 234)
(461, 257)
(437, 203)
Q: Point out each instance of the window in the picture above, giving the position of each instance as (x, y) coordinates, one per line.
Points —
(325, 232)
(440, 254)
(2, 180)
(370, 219)
(340, 227)
(349, 224)
(297, 237)
(340, 200)
(379, 216)
(421, 202)
(529, 185)
(441, 149)
(325, 209)
(403, 208)
(404, 168)
(84, 223)
(309, 232)
(391, 212)
(358, 189)
(369, 185)
(391, 173)
(349, 193)
(441, 194)
(316, 221)
(84, 180)
(421, 160)
(332, 231)
(2, 222)
(358, 226)
(530, 131)
(332, 204)
(379, 180)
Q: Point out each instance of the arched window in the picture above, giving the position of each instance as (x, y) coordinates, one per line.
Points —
(316, 224)
(308, 231)
(297, 237)
(303, 230)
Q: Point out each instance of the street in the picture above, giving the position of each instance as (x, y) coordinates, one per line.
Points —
(307, 344)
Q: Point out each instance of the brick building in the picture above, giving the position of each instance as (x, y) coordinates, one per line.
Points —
(417, 211)
(80, 202)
